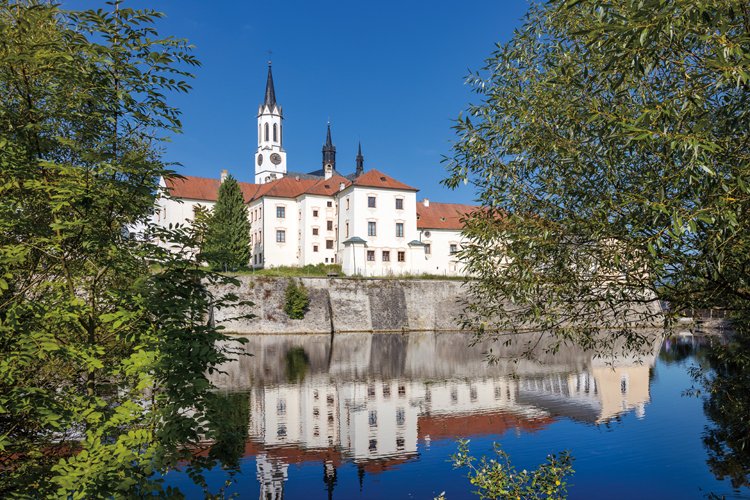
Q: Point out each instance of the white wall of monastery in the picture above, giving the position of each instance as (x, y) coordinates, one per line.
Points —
(439, 259)
(280, 253)
(318, 229)
(382, 255)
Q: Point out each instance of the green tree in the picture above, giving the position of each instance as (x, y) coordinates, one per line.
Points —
(296, 300)
(227, 244)
(102, 363)
(609, 150)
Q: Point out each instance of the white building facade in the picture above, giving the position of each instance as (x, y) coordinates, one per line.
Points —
(368, 222)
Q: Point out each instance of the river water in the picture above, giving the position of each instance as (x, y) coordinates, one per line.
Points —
(378, 416)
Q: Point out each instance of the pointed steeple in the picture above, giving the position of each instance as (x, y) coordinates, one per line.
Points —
(270, 99)
(360, 161)
(329, 143)
(329, 150)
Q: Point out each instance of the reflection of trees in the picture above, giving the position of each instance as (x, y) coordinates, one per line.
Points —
(297, 364)
(727, 385)
(229, 416)
(676, 350)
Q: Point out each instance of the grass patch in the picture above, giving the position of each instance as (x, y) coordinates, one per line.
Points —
(308, 271)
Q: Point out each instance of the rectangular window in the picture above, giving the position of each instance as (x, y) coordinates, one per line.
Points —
(329, 225)
(347, 229)
(315, 231)
(329, 204)
(329, 244)
(371, 229)
(280, 236)
(371, 255)
(399, 230)
(386, 256)
(315, 213)
(373, 418)
(399, 203)
(347, 203)
(280, 212)
(427, 249)
(315, 248)
(454, 248)
(402, 256)
(371, 201)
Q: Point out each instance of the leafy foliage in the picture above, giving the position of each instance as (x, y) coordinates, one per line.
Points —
(297, 300)
(498, 478)
(227, 243)
(609, 151)
(724, 381)
(103, 362)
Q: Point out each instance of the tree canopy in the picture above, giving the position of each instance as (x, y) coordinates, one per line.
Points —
(101, 356)
(610, 150)
(227, 239)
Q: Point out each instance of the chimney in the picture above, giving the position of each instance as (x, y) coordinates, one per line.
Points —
(341, 186)
(426, 202)
(224, 174)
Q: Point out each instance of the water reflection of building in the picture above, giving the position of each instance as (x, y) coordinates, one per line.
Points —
(346, 409)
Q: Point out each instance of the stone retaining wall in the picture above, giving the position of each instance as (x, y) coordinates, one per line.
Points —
(348, 305)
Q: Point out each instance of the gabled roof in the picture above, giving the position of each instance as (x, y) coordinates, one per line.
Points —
(374, 178)
(442, 215)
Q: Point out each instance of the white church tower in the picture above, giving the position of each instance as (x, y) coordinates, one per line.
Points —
(270, 158)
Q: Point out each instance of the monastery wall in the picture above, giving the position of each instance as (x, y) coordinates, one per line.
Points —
(347, 305)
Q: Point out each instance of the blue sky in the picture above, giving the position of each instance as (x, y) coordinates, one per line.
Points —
(388, 73)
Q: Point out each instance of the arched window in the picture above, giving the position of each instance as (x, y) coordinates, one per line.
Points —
(274, 133)
(266, 132)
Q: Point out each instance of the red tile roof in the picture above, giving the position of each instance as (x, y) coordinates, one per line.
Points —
(374, 178)
(328, 187)
(194, 188)
(442, 215)
(200, 188)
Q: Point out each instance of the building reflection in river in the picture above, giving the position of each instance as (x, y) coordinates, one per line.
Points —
(371, 398)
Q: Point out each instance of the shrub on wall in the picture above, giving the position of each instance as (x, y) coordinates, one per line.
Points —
(297, 300)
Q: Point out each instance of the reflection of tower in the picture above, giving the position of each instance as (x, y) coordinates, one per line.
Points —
(329, 477)
(271, 475)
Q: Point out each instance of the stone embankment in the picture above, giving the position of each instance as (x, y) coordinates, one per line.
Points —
(340, 305)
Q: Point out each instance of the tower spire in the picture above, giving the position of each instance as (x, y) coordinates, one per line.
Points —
(360, 161)
(270, 99)
(329, 150)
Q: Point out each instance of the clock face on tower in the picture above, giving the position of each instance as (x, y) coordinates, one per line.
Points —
(260, 159)
(276, 158)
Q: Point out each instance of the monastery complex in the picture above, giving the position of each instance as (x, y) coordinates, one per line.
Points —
(367, 221)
